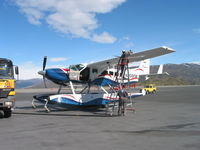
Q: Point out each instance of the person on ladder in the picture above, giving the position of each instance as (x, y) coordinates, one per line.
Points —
(124, 62)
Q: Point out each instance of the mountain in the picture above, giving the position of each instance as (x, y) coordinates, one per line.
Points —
(27, 83)
(35, 83)
(49, 84)
(180, 74)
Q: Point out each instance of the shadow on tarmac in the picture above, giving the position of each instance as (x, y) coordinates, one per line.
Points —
(79, 112)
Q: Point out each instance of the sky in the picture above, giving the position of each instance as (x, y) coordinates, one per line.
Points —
(85, 31)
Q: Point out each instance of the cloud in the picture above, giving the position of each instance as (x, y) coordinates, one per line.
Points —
(28, 70)
(127, 42)
(56, 66)
(33, 15)
(73, 17)
(103, 38)
(129, 45)
(171, 43)
(127, 38)
(58, 59)
(197, 30)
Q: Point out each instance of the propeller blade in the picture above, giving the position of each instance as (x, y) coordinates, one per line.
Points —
(42, 72)
(44, 62)
(45, 85)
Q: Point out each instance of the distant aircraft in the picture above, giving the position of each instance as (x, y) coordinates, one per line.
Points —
(102, 73)
(142, 70)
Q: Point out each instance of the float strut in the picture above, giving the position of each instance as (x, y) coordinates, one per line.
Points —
(45, 106)
(33, 104)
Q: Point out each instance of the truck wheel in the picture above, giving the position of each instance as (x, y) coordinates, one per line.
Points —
(7, 113)
(1, 114)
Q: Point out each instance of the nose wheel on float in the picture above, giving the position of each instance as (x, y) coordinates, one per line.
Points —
(42, 99)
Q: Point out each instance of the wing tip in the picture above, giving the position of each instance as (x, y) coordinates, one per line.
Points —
(168, 48)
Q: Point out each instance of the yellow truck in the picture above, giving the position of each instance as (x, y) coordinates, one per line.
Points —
(150, 88)
(7, 86)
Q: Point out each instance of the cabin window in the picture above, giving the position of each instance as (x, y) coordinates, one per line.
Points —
(94, 70)
(104, 72)
(111, 72)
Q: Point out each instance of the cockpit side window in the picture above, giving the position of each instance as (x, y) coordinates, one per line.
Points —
(73, 67)
(80, 67)
(77, 67)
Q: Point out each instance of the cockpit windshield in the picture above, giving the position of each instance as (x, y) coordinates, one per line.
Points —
(77, 67)
(6, 70)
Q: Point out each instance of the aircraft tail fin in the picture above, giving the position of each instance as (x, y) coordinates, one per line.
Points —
(145, 66)
(142, 69)
(160, 69)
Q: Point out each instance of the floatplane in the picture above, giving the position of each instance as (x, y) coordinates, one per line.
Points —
(106, 75)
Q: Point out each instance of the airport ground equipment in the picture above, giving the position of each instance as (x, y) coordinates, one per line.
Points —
(124, 92)
(7, 86)
(150, 88)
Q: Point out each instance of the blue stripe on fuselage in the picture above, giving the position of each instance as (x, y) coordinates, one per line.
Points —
(56, 74)
(104, 82)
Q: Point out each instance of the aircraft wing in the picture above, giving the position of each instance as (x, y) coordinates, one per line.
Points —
(134, 57)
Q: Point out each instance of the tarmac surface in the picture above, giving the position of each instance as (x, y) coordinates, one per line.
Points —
(167, 120)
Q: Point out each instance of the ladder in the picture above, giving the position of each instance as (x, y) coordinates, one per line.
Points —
(122, 104)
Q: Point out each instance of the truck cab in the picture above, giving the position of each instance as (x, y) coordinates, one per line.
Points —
(7, 86)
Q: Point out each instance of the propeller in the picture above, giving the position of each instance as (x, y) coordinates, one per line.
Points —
(44, 66)
(44, 62)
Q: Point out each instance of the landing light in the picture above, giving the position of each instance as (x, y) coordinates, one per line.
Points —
(8, 103)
